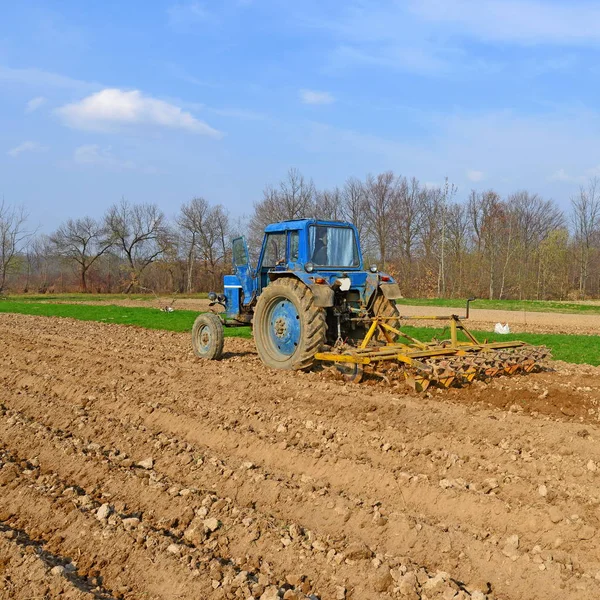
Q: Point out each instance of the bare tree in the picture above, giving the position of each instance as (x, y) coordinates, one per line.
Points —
(458, 245)
(586, 221)
(13, 238)
(40, 254)
(221, 223)
(381, 195)
(534, 219)
(353, 199)
(191, 221)
(138, 231)
(82, 241)
(294, 198)
(488, 218)
(408, 218)
(206, 231)
(328, 204)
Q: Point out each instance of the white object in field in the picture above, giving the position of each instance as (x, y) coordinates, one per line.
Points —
(499, 328)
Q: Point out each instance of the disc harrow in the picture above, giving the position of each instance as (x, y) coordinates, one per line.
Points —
(441, 363)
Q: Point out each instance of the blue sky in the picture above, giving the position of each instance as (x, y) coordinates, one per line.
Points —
(163, 101)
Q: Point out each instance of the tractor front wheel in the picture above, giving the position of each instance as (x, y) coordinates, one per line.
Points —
(288, 328)
(207, 336)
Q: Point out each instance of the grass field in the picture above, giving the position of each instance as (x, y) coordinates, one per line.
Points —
(515, 305)
(581, 349)
(150, 318)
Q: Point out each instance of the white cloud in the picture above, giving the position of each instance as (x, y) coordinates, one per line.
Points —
(473, 175)
(27, 147)
(111, 108)
(34, 104)
(94, 155)
(315, 97)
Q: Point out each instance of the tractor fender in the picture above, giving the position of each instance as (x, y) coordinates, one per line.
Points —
(390, 290)
(323, 294)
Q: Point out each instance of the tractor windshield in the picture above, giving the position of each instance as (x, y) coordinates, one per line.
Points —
(333, 246)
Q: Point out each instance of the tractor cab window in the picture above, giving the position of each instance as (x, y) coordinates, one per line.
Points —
(240, 252)
(333, 246)
(294, 246)
(275, 247)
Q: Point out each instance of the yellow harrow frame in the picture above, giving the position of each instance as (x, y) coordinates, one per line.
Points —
(446, 363)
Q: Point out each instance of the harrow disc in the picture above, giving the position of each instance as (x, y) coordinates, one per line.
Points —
(442, 364)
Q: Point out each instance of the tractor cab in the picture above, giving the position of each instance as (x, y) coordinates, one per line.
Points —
(316, 252)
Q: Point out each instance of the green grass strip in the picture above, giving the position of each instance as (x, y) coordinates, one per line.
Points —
(580, 349)
(513, 305)
(149, 318)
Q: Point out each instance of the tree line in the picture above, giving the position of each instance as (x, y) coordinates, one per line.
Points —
(433, 242)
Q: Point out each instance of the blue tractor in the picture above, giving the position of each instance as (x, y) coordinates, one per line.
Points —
(309, 291)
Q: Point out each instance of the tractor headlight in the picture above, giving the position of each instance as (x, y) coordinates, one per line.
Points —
(373, 268)
(212, 296)
(309, 267)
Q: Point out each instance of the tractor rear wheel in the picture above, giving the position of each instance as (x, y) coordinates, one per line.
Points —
(382, 307)
(288, 328)
(207, 336)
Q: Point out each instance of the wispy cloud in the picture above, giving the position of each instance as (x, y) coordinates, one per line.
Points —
(43, 79)
(94, 155)
(26, 147)
(473, 175)
(113, 108)
(182, 74)
(518, 21)
(316, 97)
(238, 113)
(561, 175)
(520, 151)
(34, 104)
(424, 61)
(434, 37)
(384, 34)
(184, 14)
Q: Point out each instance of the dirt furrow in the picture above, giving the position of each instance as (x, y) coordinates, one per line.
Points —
(383, 438)
(416, 533)
(514, 465)
(120, 541)
(486, 494)
(332, 548)
(28, 571)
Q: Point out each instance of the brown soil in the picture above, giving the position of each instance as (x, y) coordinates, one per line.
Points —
(131, 469)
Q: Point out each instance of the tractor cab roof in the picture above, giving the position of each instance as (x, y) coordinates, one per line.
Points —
(296, 224)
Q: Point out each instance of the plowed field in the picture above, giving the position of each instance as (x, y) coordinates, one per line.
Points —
(130, 469)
